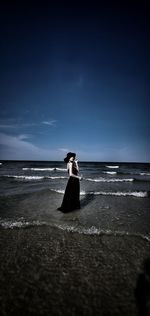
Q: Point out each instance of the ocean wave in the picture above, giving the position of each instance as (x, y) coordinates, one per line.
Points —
(112, 167)
(34, 177)
(45, 169)
(139, 194)
(59, 177)
(58, 191)
(101, 179)
(110, 172)
(109, 180)
(24, 177)
(118, 193)
(22, 223)
(138, 176)
(97, 231)
(39, 169)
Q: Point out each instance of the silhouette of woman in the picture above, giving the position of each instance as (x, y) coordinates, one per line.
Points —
(71, 200)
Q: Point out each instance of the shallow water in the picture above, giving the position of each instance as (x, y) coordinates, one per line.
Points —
(114, 197)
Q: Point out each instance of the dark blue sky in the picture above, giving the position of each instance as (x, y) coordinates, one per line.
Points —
(74, 77)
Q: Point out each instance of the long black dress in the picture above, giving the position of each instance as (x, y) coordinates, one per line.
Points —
(71, 200)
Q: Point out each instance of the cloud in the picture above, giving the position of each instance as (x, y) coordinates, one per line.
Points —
(64, 150)
(5, 126)
(120, 153)
(23, 136)
(14, 124)
(18, 148)
(50, 123)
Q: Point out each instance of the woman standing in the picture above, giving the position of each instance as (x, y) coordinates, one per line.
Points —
(71, 200)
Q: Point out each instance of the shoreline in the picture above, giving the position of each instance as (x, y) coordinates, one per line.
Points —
(49, 271)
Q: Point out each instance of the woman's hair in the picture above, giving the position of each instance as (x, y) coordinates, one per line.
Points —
(69, 155)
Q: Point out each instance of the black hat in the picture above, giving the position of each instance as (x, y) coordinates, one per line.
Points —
(69, 155)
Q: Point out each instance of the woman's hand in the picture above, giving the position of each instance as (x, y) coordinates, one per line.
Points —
(76, 165)
(76, 162)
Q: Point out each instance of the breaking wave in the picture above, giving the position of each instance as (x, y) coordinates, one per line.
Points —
(110, 180)
(139, 194)
(45, 169)
(110, 172)
(100, 179)
(112, 167)
(22, 223)
(30, 178)
(97, 231)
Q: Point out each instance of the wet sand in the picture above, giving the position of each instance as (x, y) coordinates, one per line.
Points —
(47, 271)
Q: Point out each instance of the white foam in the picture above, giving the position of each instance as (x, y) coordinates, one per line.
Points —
(136, 193)
(112, 167)
(97, 231)
(39, 169)
(61, 169)
(25, 177)
(144, 174)
(58, 191)
(45, 169)
(53, 178)
(139, 194)
(110, 180)
(110, 172)
(22, 223)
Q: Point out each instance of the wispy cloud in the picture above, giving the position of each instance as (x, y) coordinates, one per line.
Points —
(50, 123)
(5, 126)
(14, 124)
(18, 124)
(63, 150)
(23, 136)
(20, 147)
(17, 147)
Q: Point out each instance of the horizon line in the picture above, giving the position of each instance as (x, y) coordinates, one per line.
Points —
(83, 161)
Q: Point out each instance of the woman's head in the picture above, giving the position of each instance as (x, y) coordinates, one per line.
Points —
(70, 156)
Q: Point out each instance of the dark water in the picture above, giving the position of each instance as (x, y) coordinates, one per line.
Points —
(114, 197)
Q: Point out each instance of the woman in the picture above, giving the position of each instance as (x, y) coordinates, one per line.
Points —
(71, 200)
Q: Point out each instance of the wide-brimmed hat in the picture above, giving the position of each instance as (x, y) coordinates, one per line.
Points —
(69, 155)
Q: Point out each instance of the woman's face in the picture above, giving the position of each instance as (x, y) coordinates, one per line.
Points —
(71, 158)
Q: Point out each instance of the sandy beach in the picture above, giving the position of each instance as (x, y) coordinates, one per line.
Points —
(48, 271)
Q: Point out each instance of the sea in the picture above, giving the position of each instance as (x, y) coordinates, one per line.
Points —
(115, 197)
